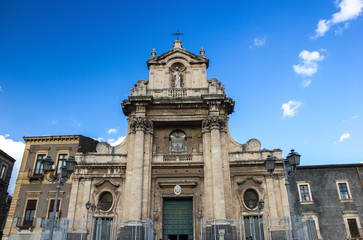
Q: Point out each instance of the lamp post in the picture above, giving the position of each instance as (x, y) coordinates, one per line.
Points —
(93, 210)
(289, 164)
(60, 178)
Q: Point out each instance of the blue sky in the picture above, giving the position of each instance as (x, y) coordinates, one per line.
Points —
(294, 68)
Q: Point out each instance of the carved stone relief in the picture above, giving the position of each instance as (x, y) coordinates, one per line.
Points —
(107, 186)
(140, 124)
(216, 122)
(247, 183)
(253, 145)
(104, 148)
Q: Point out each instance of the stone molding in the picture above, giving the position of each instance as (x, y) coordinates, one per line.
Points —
(52, 194)
(33, 194)
(140, 124)
(186, 184)
(214, 122)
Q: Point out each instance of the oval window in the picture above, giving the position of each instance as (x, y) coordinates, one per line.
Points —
(250, 198)
(106, 200)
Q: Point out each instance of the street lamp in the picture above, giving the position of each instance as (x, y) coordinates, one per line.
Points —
(93, 210)
(289, 164)
(64, 174)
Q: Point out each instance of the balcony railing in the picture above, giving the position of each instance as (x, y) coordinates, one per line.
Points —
(175, 92)
(25, 223)
(32, 176)
(176, 158)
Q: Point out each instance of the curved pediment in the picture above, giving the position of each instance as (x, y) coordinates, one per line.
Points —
(104, 182)
(178, 53)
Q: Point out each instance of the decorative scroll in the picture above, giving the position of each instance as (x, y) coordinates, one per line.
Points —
(215, 122)
(140, 124)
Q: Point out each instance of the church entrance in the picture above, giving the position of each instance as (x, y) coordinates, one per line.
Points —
(178, 219)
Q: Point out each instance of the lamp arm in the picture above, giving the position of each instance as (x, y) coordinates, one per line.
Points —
(51, 179)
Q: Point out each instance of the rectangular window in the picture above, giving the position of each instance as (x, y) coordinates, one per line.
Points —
(29, 213)
(39, 164)
(3, 172)
(304, 193)
(51, 207)
(343, 190)
(61, 161)
(353, 228)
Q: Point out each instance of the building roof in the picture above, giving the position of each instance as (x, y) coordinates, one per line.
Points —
(58, 137)
(7, 156)
(331, 166)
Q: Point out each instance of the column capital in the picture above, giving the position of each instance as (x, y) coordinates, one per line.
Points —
(214, 122)
(140, 124)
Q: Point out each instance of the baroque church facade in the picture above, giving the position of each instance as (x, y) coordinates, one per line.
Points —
(178, 163)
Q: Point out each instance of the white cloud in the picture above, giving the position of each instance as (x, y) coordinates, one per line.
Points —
(259, 42)
(1, 89)
(112, 130)
(100, 139)
(114, 142)
(349, 10)
(309, 65)
(14, 149)
(306, 83)
(76, 123)
(344, 137)
(351, 118)
(290, 108)
(339, 30)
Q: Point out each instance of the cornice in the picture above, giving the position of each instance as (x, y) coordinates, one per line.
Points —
(52, 138)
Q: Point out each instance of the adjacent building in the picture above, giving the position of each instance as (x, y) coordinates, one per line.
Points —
(6, 168)
(33, 198)
(331, 195)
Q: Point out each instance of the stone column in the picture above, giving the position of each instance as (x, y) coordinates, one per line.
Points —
(138, 125)
(215, 123)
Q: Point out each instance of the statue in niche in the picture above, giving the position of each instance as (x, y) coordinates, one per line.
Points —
(177, 70)
(177, 77)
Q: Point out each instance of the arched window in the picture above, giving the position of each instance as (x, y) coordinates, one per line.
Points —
(177, 141)
(106, 200)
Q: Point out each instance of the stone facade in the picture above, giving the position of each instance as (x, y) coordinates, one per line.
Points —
(178, 147)
(332, 195)
(177, 165)
(6, 168)
(33, 194)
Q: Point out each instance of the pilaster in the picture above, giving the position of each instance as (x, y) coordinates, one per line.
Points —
(138, 125)
(214, 124)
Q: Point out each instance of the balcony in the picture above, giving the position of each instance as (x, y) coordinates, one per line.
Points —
(25, 224)
(32, 176)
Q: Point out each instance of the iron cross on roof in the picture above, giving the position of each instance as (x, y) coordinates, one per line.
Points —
(177, 34)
